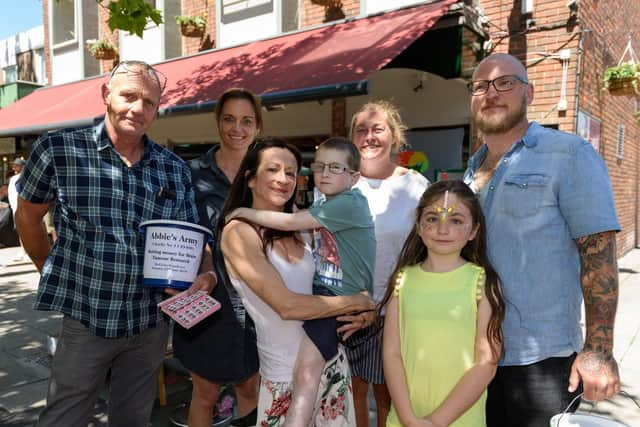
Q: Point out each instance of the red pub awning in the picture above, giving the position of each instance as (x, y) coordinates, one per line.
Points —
(316, 61)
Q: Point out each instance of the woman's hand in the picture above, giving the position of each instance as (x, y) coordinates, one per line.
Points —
(236, 213)
(203, 282)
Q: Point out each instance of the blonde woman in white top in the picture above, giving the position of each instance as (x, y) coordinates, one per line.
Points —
(393, 193)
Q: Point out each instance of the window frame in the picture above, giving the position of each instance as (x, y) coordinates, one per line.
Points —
(52, 20)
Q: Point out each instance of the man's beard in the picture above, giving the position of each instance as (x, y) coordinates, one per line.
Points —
(497, 125)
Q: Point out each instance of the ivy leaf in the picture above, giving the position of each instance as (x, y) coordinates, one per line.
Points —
(131, 15)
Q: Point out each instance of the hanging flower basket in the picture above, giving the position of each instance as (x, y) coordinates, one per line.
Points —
(624, 87)
(102, 49)
(192, 26)
(105, 54)
(624, 78)
(190, 30)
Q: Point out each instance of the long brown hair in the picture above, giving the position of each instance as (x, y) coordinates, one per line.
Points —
(414, 252)
(240, 195)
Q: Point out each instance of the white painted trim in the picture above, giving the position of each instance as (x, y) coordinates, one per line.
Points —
(218, 23)
(80, 35)
(162, 29)
(277, 9)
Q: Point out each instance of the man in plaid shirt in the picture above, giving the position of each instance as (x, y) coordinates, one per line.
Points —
(104, 181)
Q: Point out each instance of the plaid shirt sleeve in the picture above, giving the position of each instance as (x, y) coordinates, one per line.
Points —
(37, 183)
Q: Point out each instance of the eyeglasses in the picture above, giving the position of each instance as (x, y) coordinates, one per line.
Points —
(501, 84)
(134, 67)
(334, 168)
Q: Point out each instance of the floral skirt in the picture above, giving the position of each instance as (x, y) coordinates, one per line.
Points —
(334, 403)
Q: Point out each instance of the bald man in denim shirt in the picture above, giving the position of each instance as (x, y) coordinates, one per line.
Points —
(551, 224)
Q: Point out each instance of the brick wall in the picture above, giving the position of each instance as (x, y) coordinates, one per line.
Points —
(603, 26)
(606, 25)
(192, 45)
(538, 46)
(471, 51)
(105, 33)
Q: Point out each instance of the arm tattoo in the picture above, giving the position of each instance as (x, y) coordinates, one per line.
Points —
(599, 277)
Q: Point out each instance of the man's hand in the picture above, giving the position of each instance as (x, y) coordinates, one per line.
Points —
(203, 282)
(356, 321)
(599, 374)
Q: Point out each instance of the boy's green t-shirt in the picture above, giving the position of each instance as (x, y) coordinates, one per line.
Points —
(345, 249)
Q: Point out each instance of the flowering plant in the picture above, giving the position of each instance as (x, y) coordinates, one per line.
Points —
(623, 79)
(192, 25)
(101, 49)
(196, 21)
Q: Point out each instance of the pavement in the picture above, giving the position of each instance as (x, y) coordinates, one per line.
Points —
(25, 362)
(24, 353)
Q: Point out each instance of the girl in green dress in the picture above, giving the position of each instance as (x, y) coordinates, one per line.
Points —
(442, 336)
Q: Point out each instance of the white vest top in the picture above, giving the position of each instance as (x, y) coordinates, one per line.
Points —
(278, 340)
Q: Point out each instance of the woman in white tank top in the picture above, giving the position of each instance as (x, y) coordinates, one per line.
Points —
(273, 271)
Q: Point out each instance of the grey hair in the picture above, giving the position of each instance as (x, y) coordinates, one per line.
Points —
(125, 67)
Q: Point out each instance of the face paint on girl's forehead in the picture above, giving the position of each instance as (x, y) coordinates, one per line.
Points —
(445, 209)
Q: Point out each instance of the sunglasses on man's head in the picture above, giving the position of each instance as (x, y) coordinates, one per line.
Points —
(134, 67)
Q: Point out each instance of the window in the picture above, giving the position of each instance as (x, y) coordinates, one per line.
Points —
(237, 10)
(63, 21)
(26, 71)
(289, 15)
(368, 7)
(10, 74)
(242, 21)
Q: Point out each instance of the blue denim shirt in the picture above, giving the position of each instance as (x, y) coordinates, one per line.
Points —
(550, 189)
